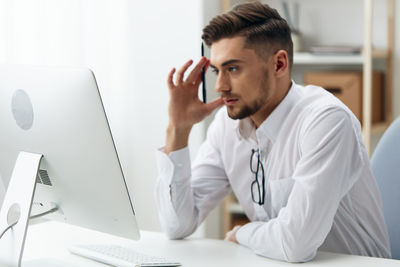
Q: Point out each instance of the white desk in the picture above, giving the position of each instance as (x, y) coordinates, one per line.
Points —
(51, 239)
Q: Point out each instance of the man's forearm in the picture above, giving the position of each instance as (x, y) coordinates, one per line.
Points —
(174, 196)
(177, 138)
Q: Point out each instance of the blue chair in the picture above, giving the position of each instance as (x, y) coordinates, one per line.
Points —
(385, 164)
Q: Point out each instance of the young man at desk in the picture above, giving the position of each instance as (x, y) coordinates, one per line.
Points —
(292, 155)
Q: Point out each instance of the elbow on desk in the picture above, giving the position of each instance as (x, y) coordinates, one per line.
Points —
(174, 235)
(292, 254)
(298, 245)
(298, 250)
(175, 232)
(298, 255)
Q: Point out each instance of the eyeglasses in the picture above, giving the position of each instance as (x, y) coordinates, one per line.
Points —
(257, 189)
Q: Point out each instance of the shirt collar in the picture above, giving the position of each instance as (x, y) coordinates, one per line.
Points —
(270, 128)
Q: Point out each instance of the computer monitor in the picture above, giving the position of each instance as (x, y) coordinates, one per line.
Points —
(58, 113)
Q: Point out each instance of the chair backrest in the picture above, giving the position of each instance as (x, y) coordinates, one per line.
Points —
(385, 164)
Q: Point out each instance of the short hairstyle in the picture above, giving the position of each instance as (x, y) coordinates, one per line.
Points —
(262, 26)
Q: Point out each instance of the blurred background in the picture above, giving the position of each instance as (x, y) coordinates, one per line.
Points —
(131, 46)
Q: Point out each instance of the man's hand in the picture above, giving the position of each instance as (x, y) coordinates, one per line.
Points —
(231, 235)
(185, 108)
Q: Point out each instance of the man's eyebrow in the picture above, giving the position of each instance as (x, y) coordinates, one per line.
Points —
(227, 63)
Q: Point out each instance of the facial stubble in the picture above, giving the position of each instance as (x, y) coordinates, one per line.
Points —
(249, 109)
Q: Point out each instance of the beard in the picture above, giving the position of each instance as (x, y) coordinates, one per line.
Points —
(246, 110)
(238, 113)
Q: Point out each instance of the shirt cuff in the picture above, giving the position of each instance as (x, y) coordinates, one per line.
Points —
(246, 231)
(176, 166)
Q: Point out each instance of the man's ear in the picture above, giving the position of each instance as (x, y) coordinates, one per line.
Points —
(281, 63)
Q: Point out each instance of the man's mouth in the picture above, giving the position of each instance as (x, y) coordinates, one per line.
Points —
(229, 101)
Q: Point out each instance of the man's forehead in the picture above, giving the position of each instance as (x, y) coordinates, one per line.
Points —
(228, 49)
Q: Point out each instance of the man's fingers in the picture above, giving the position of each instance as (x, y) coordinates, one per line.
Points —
(182, 70)
(214, 104)
(199, 77)
(231, 235)
(196, 72)
(206, 66)
(236, 228)
(228, 236)
(170, 82)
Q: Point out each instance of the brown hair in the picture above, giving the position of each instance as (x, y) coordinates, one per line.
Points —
(262, 26)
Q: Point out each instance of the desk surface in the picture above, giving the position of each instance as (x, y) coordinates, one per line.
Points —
(51, 239)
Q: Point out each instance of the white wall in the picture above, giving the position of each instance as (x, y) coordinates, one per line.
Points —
(339, 22)
(162, 36)
(130, 46)
(2, 191)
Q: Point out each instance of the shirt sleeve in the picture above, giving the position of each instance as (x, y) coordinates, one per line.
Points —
(331, 162)
(185, 195)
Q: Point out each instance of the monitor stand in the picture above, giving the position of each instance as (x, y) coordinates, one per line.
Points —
(17, 208)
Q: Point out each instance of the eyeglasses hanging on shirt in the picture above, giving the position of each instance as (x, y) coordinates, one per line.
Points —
(257, 186)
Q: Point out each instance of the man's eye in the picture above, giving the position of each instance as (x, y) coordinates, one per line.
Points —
(215, 71)
(232, 69)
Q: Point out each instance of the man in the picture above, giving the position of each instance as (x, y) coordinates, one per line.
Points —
(292, 155)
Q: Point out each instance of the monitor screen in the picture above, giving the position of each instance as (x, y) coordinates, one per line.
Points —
(58, 112)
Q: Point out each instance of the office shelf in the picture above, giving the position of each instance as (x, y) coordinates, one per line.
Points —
(306, 58)
(236, 208)
(379, 128)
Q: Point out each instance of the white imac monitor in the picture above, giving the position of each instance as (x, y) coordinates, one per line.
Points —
(58, 113)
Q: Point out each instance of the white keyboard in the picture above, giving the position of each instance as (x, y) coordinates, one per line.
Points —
(119, 256)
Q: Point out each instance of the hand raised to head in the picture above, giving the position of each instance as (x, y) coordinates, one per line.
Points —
(185, 108)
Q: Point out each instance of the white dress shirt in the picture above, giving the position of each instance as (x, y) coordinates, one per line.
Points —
(319, 189)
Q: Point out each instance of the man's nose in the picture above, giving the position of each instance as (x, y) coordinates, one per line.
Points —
(222, 84)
